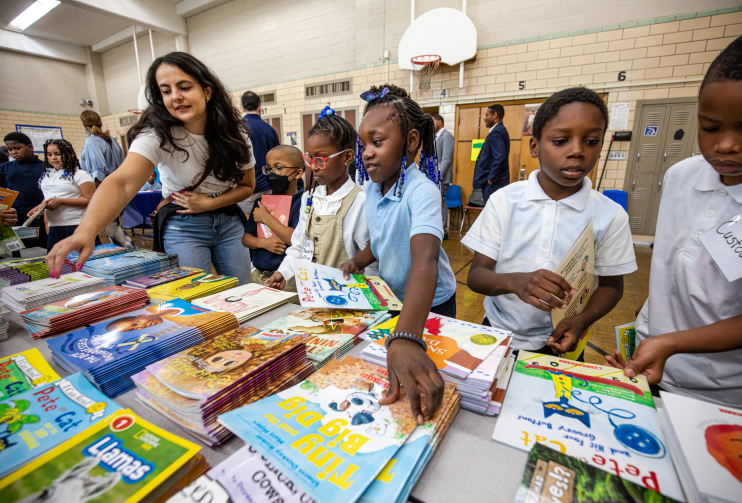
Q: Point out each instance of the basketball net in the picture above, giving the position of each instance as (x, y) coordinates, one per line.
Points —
(425, 66)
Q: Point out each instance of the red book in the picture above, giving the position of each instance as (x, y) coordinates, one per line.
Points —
(279, 207)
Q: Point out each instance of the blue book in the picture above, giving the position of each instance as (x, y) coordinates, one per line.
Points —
(41, 418)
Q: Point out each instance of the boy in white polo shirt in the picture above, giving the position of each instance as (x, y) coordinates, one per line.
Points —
(527, 228)
(691, 324)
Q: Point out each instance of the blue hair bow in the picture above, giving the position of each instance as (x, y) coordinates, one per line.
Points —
(371, 96)
(327, 111)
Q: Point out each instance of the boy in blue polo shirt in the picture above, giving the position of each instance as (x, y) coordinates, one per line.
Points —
(527, 228)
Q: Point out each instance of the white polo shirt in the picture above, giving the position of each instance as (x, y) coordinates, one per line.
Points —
(686, 289)
(54, 185)
(524, 230)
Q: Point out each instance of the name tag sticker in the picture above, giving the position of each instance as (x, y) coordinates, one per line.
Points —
(724, 244)
(308, 252)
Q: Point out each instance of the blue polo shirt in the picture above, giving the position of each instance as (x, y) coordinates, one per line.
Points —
(23, 177)
(263, 138)
(263, 259)
(393, 220)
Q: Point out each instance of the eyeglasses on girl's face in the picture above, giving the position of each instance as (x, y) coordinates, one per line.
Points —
(279, 170)
(320, 162)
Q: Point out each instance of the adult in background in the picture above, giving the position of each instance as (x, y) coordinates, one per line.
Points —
(492, 170)
(263, 138)
(444, 149)
(100, 157)
(197, 137)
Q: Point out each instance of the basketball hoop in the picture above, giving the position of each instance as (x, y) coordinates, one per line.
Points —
(425, 66)
(136, 111)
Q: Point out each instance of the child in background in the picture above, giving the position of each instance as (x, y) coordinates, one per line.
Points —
(691, 324)
(403, 211)
(283, 172)
(22, 175)
(527, 228)
(152, 183)
(332, 226)
(67, 190)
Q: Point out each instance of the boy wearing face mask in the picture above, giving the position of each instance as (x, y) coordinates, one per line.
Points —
(283, 171)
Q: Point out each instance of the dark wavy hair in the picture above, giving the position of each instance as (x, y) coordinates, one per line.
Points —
(228, 150)
(70, 162)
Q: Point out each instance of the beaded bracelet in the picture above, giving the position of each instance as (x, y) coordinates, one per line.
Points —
(409, 337)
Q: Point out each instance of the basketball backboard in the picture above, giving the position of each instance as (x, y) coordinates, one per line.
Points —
(446, 32)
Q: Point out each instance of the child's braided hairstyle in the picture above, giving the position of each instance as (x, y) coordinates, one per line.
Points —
(408, 114)
(69, 159)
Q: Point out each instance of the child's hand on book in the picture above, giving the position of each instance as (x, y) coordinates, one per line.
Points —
(350, 267)
(273, 244)
(566, 335)
(52, 204)
(409, 365)
(10, 216)
(276, 281)
(648, 359)
(261, 215)
(543, 290)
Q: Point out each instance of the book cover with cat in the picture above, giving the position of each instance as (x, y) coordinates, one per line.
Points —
(329, 434)
(163, 277)
(23, 372)
(592, 412)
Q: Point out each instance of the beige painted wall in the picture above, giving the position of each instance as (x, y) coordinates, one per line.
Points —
(72, 129)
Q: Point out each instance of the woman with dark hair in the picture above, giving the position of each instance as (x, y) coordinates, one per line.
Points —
(192, 130)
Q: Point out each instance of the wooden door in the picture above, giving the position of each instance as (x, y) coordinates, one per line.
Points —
(467, 129)
(513, 122)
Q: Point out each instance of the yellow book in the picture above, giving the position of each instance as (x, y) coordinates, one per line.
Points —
(192, 287)
(120, 460)
(24, 371)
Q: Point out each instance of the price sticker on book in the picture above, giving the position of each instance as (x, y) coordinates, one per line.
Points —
(724, 244)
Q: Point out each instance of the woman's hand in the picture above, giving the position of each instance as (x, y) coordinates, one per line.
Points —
(350, 267)
(10, 216)
(80, 242)
(193, 202)
(261, 215)
(52, 204)
(648, 359)
(273, 244)
(411, 367)
(276, 281)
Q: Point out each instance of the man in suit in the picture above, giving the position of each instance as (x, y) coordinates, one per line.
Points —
(444, 149)
(492, 170)
(263, 138)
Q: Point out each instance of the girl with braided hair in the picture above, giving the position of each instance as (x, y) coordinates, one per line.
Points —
(67, 190)
(403, 212)
(332, 225)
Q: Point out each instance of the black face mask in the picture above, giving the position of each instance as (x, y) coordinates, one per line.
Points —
(278, 183)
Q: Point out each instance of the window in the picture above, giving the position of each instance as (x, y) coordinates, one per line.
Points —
(328, 88)
(128, 120)
(268, 98)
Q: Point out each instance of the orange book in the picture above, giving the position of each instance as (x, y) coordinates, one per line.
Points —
(7, 198)
(279, 207)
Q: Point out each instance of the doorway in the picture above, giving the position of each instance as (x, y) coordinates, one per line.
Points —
(275, 122)
(665, 133)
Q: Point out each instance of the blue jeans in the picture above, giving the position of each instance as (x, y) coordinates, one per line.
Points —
(209, 237)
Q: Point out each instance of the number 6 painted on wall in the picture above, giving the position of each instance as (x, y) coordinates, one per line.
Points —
(621, 76)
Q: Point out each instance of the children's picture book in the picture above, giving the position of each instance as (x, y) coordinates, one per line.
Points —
(33, 422)
(7, 198)
(123, 459)
(100, 251)
(192, 287)
(322, 286)
(329, 434)
(246, 301)
(456, 347)
(592, 412)
(280, 208)
(626, 340)
(706, 445)
(163, 277)
(552, 476)
(578, 268)
(23, 372)
(9, 240)
(34, 215)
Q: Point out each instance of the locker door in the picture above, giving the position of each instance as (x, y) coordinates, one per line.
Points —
(640, 198)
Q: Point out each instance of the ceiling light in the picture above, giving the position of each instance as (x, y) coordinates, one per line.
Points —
(33, 13)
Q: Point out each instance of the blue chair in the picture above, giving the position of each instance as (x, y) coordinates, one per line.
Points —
(618, 196)
(453, 199)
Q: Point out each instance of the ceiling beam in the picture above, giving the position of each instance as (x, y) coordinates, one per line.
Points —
(18, 42)
(158, 15)
(118, 39)
(188, 8)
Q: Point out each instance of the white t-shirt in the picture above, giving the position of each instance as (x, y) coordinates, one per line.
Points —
(524, 230)
(178, 170)
(686, 289)
(53, 185)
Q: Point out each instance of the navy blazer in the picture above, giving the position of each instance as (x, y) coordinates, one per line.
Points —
(493, 161)
(263, 138)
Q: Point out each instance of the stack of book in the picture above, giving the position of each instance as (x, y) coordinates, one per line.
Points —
(121, 459)
(117, 269)
(500, 386)
(25, 371)
(334, 331)
(74, 395)
(4, 325)
(15, 272)
(706, 446)
(192, 287)
(346, 439)
(478, 389)
(246, 301)
(82, 309)
(591, 412)
(110, 353)
(100, 251)
(242, 366)
(45, 291)
(163, 277)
